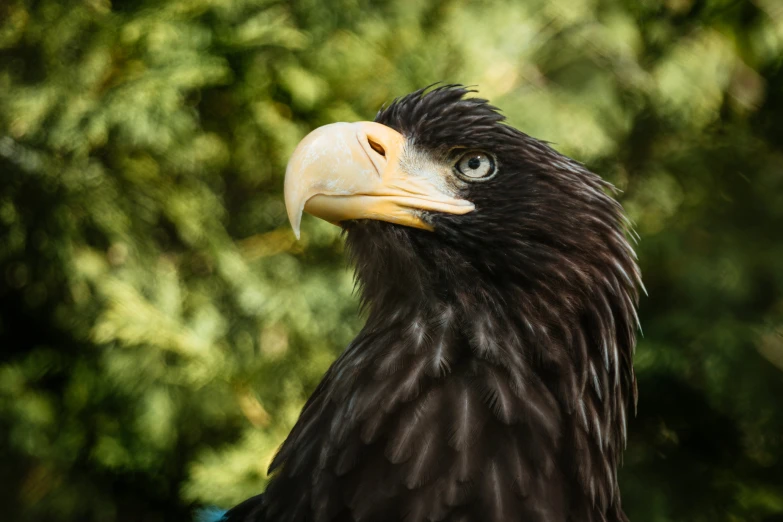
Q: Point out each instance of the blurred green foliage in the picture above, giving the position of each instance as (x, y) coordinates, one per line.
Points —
(161, 328)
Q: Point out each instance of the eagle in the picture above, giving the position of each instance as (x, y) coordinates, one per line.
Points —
(493, 378)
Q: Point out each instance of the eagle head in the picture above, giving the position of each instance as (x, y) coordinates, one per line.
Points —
(493, 377)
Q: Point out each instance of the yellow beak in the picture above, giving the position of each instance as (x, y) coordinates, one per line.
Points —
(348, 171)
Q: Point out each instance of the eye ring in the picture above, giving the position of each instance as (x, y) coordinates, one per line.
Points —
(475, 165)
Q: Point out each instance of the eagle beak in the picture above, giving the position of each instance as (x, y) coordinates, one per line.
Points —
(346, 171)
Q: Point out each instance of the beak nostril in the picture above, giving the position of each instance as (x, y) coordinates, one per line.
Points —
(377, 147)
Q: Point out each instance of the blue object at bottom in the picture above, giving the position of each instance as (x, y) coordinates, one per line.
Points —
(210, 514)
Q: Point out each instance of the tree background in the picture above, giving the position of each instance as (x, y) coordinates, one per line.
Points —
(161, 328)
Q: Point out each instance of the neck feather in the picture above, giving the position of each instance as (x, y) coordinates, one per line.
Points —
(489, 383)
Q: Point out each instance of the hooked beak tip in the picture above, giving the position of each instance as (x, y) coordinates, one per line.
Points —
(296, 223)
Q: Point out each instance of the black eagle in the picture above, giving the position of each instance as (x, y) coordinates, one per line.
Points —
(493, 378)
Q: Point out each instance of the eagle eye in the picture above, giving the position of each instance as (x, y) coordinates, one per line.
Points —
(475, 165)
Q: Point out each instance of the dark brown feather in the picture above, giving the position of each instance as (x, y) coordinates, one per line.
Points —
(492, 379)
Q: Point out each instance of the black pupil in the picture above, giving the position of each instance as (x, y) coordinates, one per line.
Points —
(474, 163)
